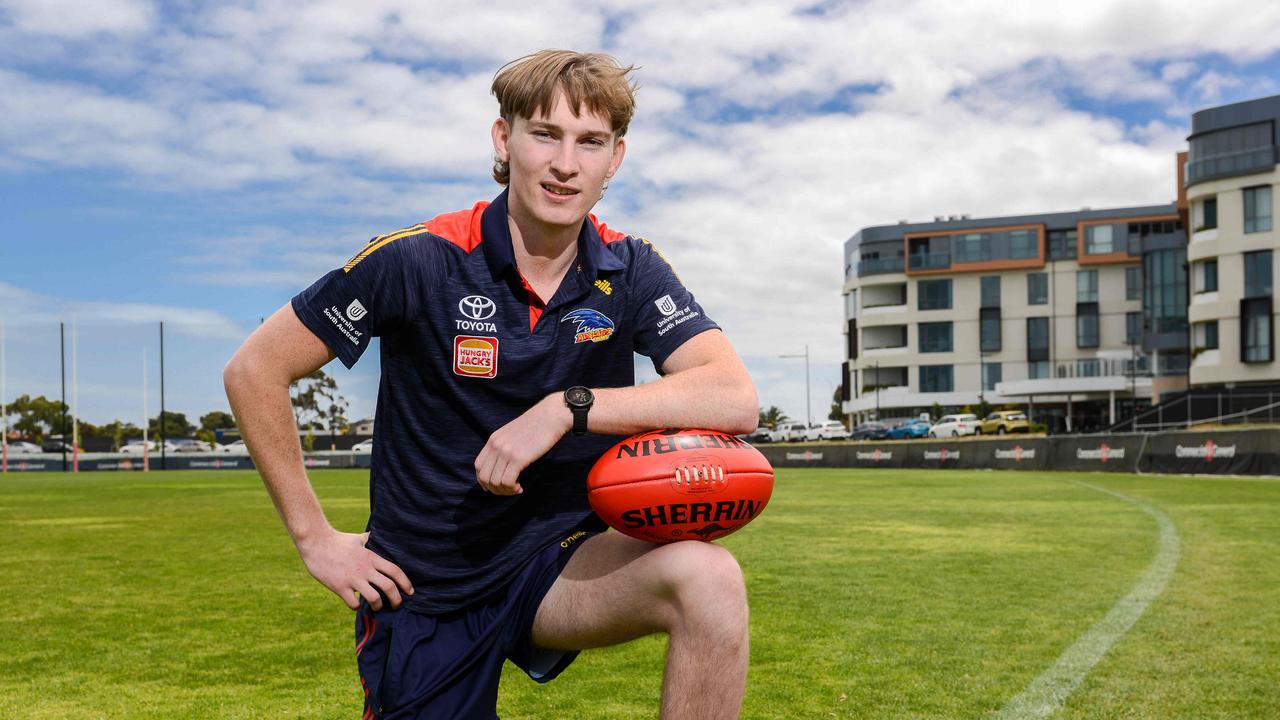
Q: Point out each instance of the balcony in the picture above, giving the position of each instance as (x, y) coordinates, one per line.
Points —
(879, 266)
(1247, 162)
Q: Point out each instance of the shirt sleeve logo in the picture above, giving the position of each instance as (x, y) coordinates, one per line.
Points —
(356, 311)
(593, 326)
(666, 305)
(475, 356)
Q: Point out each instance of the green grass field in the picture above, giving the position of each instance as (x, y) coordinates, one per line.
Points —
(875, 594)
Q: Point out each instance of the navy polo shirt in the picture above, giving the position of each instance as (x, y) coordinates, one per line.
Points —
(466, 348)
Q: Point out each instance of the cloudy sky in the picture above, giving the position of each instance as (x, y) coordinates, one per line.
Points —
(199, 163)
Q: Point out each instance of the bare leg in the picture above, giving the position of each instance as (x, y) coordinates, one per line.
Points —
(617, 589)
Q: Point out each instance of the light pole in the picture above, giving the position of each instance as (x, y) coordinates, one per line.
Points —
(808, 411)
(877, 391)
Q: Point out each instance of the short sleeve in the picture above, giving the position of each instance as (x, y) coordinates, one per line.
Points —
(665, 314)
(373, 294)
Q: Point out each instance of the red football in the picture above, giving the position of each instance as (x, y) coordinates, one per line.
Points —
(667, 485)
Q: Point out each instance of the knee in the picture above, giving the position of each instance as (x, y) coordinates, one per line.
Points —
(702, 577)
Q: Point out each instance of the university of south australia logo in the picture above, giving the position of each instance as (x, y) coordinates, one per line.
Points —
(356, 311)
(665, 304)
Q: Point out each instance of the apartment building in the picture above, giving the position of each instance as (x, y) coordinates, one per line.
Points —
(1048, 311)
(1083, 316)
(1230, 183)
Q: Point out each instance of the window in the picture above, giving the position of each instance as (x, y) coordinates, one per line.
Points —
(1255, 320)
(1165, 290)
(991, 374)
(1023, 244)
(1133, 283)
(935, 337)
(1133, 328)
(989, 329)
(1209, 276)
(1037, 339)
(936, 378)
(851, 304)
(971, 248)
(1103, 239)
(1206, 214)
(991, 291)
(1087, 286)
(852, 330)
(1037, 288)
(1086, 325)
(1062, 244)
(1257, 209)
(1038, 370)
(1210, 341)
(934, 294)
(1257, 274)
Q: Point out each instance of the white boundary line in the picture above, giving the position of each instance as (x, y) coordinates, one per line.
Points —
(1046, 694)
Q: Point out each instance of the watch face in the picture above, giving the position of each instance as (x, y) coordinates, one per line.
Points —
(577, 396)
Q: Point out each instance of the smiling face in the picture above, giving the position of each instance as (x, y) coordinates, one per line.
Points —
(559, 164)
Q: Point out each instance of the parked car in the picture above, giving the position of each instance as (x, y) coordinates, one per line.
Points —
(1005, 421)
(759, 435)
(827, 430)
(135, 447)
(955, 426)
(234, 448)
(870, 430)
(22, 447)
(788, 432)
(56, 446)
(914, 428)
(186, 445)
(363, 447)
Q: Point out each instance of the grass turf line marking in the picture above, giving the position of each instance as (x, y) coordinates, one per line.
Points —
(1046, 694)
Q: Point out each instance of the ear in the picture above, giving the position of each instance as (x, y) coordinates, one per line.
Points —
(501, 133)
(619, 150)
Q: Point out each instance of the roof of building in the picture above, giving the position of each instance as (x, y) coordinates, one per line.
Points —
(1064, 220)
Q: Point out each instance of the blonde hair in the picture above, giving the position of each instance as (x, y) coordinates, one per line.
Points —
(528, 85)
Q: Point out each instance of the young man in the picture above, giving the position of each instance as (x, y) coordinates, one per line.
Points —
(508, 332)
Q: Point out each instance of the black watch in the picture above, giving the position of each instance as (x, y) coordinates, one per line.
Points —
(579, 400)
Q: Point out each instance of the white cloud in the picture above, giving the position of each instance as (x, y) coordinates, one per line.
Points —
(28, 308)
(381, 109)
(77, 19)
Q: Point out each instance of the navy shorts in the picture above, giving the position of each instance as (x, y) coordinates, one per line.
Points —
(414, 665)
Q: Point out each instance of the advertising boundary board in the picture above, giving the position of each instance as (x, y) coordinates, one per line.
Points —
(1227, 452)
(1216, 452)
(133, 463)
(1224, 452)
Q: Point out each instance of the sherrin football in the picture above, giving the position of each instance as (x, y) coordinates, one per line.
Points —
(668, 485)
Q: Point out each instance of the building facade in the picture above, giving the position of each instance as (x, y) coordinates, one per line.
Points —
(1044, 310)
(1230, 181)
(1082, 317)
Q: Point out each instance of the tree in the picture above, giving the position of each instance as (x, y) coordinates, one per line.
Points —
(211, 423)
(217, 420)
(772, 416)
(317, 403)
(175, 425)
(37, 416)
(837, 404)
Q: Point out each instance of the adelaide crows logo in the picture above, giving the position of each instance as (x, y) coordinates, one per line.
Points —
(592, 325)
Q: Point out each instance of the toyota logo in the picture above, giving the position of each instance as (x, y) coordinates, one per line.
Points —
(477, 307)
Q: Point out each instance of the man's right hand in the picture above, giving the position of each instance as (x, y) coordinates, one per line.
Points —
(341, 563)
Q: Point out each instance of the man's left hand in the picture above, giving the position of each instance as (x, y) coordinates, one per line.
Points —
(514, 446)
